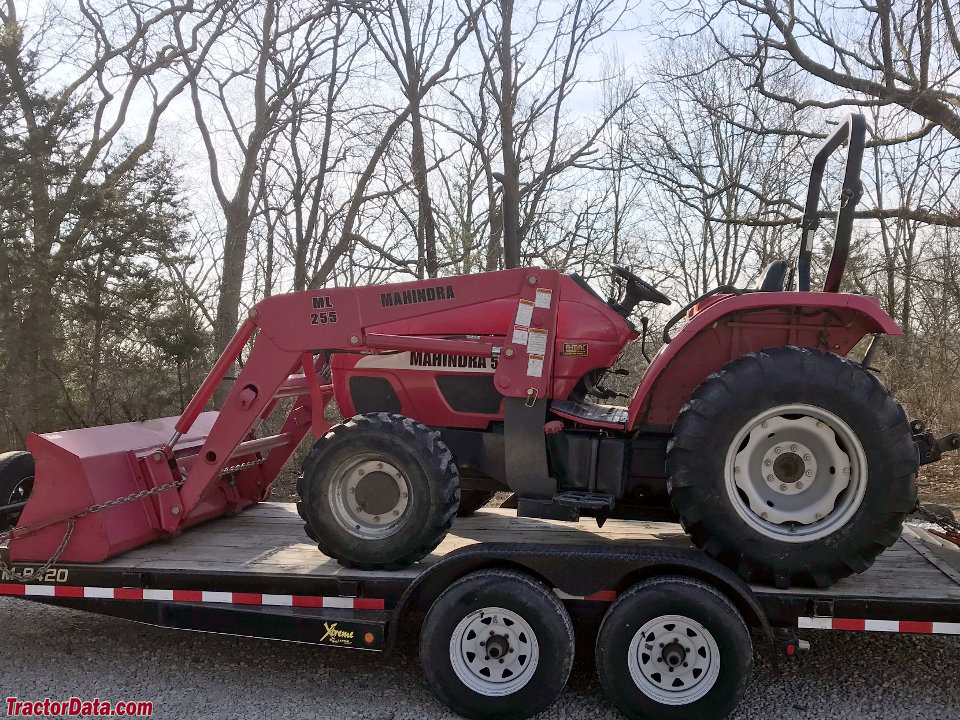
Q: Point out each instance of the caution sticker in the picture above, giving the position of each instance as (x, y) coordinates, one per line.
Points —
(520, 334)
(537, 341)
(544, 297)
(524, 312)
(535, 365)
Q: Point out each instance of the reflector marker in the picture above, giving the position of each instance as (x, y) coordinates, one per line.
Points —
(197, 596)
(891, 626)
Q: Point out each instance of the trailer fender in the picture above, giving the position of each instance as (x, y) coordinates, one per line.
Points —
(579, 571)
(732, 325)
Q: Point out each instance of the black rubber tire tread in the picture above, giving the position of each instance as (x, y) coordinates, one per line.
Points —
(674, 595)
(744, 388)
(473, 500)
(428, 457)
(14, 467)
(532, 600)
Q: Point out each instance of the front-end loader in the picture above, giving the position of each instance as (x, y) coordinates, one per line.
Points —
(781, 455)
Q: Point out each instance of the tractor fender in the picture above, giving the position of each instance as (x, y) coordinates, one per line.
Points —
(733, 325)
(589, 572)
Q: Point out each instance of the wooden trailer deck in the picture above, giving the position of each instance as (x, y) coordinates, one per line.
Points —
(269, 539)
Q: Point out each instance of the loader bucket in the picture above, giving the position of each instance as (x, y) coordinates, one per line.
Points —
(76, 469)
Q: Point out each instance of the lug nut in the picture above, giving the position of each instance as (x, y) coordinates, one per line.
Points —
(764, 515)
(782, 487)
(807, 457)
(376, 518)
(809, 473)
(768, 462)
(770, 478)
(793, 448)
(379, 466)
(778, 449)
(799, 486)
(817, 516)
(764, 424)
(737, 469)
(846, 471)
(396, 513)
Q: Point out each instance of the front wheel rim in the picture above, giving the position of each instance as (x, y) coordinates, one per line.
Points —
(494, 651)
(674, 660)
(369, 497)
(796, 473)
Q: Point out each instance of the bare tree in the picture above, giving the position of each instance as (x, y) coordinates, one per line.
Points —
(113, 62)
(905, 54)
(272, 46)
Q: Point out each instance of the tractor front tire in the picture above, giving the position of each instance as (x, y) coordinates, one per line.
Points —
(16, 482)
(792, 467)
(378, 491)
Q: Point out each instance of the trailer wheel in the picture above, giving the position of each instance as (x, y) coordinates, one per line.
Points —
(674, 647)
(793, 466)
(473, 500)
(497, 644)
(16, 482)
(379, 491)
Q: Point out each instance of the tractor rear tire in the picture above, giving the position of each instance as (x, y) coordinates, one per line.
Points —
(473, 500)
(792, 467)
(16, 482)
(378, 491)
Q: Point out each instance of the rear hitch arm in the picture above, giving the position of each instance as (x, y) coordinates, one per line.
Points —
(931, 447)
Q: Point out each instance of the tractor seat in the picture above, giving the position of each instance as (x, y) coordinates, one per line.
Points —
(774, 277)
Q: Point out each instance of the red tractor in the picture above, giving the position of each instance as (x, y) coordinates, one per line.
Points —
(781, 456)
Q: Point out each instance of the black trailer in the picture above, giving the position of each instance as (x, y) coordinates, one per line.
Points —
(497, 602)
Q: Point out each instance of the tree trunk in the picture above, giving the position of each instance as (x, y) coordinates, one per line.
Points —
(511, 171)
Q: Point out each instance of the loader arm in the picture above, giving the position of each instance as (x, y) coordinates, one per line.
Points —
(291, 330)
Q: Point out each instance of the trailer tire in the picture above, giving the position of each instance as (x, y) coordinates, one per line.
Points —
(16, 482)
(532, 630)
(473, 500)
(378, 491)
(817, 493)
(698, 674)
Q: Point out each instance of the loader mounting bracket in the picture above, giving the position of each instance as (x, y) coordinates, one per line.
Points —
(931, 447)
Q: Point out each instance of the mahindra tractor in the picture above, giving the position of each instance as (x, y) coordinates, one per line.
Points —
(780, 454)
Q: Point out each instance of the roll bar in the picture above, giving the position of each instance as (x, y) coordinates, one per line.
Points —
(854, 131)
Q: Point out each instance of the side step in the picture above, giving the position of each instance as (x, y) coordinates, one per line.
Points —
(567, 506)
(585, 500)
(609, 416)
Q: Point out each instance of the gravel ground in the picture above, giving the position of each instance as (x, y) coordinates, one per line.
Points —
(62, 653)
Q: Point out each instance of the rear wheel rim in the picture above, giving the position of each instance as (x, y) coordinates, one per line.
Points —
(494, 651)
(796, 473)
(369, 497)
(674, 660)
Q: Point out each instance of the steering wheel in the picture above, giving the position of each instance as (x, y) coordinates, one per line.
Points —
(637, 290)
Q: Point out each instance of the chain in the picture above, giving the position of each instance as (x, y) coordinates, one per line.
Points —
(6, 571)
(941, 520)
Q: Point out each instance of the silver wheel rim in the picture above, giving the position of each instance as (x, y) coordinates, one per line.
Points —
(674, 660)
(369, 497)
(796, 473)
(494, 651)
(21, 490)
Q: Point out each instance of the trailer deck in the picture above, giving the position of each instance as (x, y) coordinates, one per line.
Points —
(260, 564)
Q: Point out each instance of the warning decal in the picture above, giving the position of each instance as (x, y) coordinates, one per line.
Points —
(537, 342)
(535, 365)
(520, 334)
(524, 312)
(544, 297)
